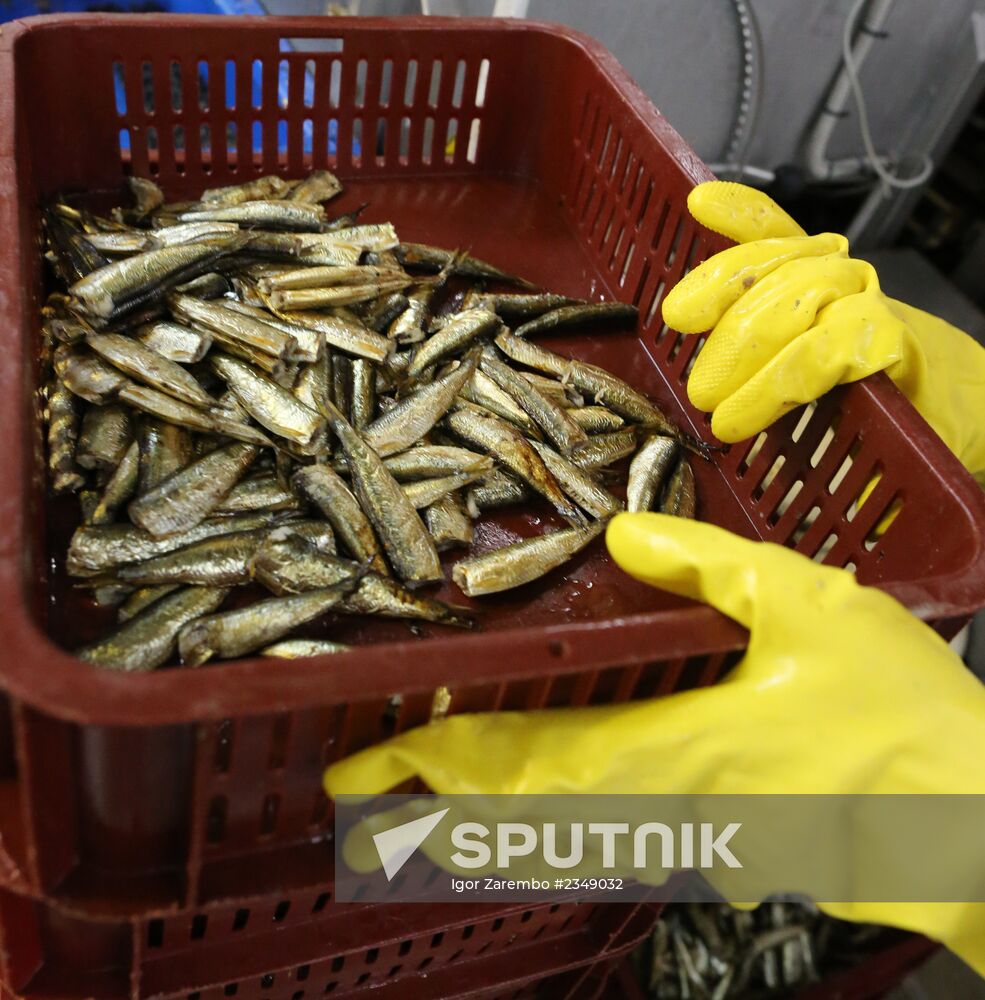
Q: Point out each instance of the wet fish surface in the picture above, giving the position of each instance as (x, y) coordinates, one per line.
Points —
(235, 633)
(515, 565)
(148, 640)
(248, 394)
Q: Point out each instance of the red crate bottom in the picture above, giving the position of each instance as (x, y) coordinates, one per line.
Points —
(274, 949)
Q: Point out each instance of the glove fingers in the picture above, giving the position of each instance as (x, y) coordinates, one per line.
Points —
(698, 560)
(466, 754)
(853, 338)
(741, 213)
(772, 314)
(371, 771)
(700, 299)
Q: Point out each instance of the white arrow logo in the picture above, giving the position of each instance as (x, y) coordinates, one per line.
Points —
(397, 844)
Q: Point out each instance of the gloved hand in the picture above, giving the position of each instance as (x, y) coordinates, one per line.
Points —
(793, 315)
(841, 691)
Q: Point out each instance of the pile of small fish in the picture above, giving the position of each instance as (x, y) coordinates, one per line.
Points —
(714, 952)
(242, 390)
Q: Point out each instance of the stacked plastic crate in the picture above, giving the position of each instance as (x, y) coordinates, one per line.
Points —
(165, 835)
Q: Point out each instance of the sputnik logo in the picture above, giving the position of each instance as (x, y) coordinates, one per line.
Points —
(396, 845)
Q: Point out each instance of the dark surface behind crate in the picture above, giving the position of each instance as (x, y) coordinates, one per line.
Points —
(132, 795)
(873, 976)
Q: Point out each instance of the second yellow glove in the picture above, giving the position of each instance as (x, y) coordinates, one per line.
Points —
(793, 315)
(842, 691)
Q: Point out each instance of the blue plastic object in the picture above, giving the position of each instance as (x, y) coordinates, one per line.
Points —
(12, 9)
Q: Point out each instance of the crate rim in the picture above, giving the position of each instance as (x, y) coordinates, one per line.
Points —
(73, 691)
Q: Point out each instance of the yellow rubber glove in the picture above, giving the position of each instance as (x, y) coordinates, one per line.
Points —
(793, 315)
(841, 691)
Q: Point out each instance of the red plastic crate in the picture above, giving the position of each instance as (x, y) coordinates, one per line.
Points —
(133, 795)
(307, 945)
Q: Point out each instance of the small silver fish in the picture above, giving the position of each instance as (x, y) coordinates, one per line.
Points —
(303, 344)
(581, 314)
(515, 565)
(222, 561)
(148, 640)
(483, 391)
(382, 596)
(233, 326)
(109, 595)
(342, 333)
(526, 352)
(297, 649)
(122, 243)
(324, 249)
(578, 484)
(313, 386)
(435, 258)
(271, 405)
(453, 337)
(158, 404)
(262, 492)
(384, 311)
(325, 276)
(164, 449)
(318, 186)
(511, 305)
(174, 341)
(120, 486)
(143, 597)
(498, 489)
(428, 461)
(188, 496)
(192, 232)
(293, 216)
(146, 194)
(323, 486)
(407, 327)
(511, 448)
(63, 430)
(362, 404)
(680, 498)
(606, 449)
(374, 236)
(614, 393)
(415, 415)
(105, 436)
(210, 285)
(550, 417)
(287, 562)
(648, 472)
(86, 375)
(561, 394)
(268, 186)
(424, 492)
(596, 419)
(145, 365)
(110, 289)
(267, 363)
(99, 549)
(405, 539)
(449, 524)
(325, 297)
(235, 633)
